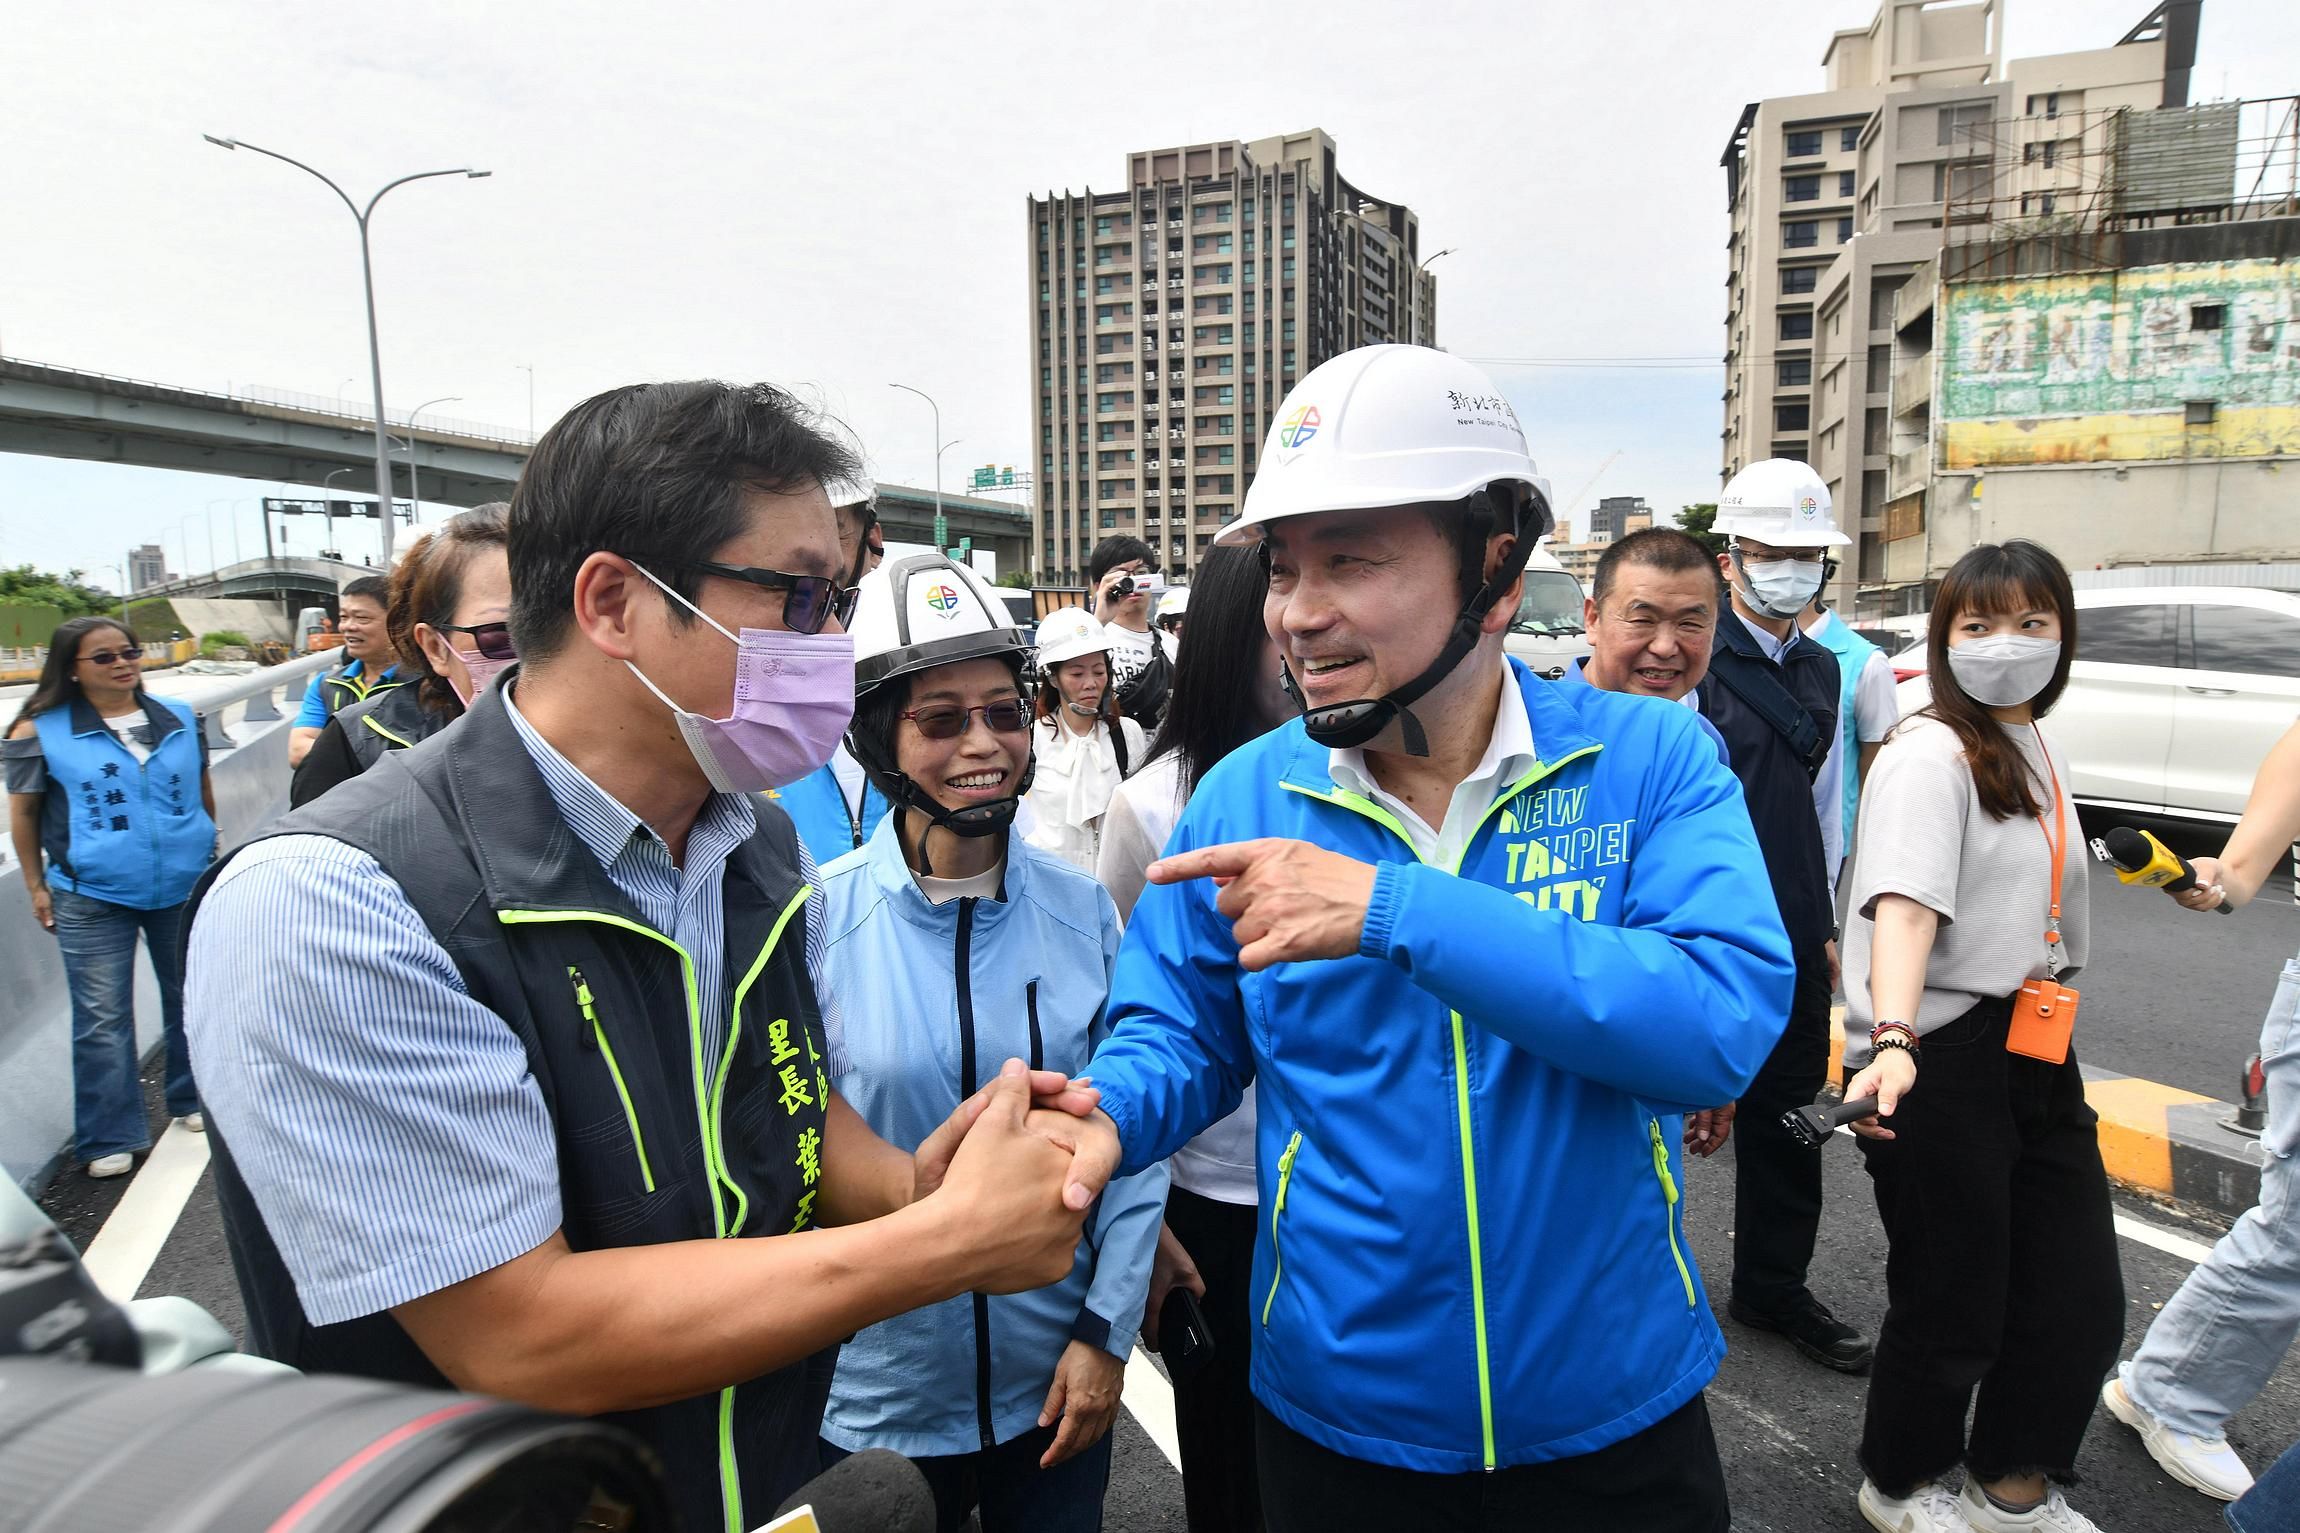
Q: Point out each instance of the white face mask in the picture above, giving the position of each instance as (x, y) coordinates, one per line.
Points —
(2004, 669)
(1781, 587)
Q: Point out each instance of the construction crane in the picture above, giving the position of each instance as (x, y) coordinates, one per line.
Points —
(1566, 506)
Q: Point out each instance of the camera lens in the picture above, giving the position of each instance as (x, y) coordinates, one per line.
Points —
(213, 1450)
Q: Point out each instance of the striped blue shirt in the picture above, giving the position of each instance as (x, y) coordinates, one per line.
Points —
(384, 1121)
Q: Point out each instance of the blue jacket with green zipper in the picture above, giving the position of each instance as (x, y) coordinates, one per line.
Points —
(1472, 1252)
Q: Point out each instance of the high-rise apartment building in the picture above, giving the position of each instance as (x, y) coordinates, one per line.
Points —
(147, 566)
(1836, 197)
(1169, 318)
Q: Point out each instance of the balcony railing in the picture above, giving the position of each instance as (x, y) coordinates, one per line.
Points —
(1913, 385)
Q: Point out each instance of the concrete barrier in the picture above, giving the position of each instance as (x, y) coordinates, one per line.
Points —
(251, 783)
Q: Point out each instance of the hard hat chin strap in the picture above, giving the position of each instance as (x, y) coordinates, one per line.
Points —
(975, 820)
(1346, 726)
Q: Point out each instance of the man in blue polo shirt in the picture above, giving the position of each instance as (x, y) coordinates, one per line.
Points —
(366, 648)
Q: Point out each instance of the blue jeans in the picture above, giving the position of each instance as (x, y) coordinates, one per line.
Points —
(2217, 1340)
(1014, 1494)
(2272, 1505)
(98, 939)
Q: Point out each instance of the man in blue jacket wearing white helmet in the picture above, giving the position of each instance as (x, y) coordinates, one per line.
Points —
(1480, 942)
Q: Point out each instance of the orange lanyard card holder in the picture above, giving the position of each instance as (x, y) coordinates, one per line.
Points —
(2043, 1021)
(2044, 1012)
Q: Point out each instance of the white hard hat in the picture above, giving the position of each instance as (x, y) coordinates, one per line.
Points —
(1174, 603)
(1781, 502)
(1387, 426)
(1068, 632)
(924, 610)
(858, 491)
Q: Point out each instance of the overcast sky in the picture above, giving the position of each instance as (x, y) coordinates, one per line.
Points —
(833, 197)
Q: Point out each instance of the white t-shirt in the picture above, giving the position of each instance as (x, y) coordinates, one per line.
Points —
(981, 886)
(129, 729)
(1923, 835)
(1219, 1163)
(1130, 653)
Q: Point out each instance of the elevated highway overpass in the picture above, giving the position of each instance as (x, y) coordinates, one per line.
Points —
(61, 412)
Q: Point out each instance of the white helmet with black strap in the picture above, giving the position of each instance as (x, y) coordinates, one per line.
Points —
(1783, 505)
(1395, 427)
(915, 613)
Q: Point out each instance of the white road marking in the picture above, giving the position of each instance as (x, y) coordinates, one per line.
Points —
(130, 1241)
(1149, 1400)
(2162, 1239)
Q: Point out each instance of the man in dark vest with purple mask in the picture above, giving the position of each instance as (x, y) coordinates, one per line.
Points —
(520, 1076)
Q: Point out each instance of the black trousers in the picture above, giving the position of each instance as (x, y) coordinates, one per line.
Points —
(1214, 1407)
(2001, 1269)
(1776, 1180)
(1665, 1479)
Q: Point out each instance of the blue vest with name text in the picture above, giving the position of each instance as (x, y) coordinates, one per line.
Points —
(131, 832)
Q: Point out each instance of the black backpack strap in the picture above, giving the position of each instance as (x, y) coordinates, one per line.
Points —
(1118, 744)
(1760, 686)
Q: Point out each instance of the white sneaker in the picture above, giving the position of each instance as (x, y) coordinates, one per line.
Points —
(2051, 1515)
(1932, 1508)
(194, 1122)
(112, 1165)
(2207, 1464)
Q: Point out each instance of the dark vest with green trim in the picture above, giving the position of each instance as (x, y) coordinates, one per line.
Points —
(467, 827)
(389, 719)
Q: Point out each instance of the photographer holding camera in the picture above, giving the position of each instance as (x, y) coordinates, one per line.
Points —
(1122, 570)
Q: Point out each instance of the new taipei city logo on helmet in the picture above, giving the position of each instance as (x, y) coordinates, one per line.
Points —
(943, 600)
(1299, 427)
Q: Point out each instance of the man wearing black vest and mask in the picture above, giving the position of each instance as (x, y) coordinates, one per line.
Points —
(522, 1068)
(1772, 693)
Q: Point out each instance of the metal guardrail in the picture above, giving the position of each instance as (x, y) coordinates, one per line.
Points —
(254, 689)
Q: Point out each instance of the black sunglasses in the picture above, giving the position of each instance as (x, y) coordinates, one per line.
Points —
(108, 656)
(947, 721)
(493, 639)
(809, 601)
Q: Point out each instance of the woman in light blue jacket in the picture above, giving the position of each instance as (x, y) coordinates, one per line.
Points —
(952, 946)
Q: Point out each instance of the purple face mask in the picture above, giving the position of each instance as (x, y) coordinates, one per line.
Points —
(794, 697)
(482, 671)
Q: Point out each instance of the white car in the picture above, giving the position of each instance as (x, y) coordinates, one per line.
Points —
(2176, 695)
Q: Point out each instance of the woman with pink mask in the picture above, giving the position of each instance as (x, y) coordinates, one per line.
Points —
(446, 616)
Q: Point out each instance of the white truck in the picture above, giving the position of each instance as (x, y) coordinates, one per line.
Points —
(1547, 632)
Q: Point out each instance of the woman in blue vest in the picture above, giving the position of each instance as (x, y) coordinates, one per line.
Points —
(114, 821)
(952, 946)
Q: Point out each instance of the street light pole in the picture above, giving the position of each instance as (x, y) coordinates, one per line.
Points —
(1421, 266)
(941, 524)
(362, 216)
(415, 501)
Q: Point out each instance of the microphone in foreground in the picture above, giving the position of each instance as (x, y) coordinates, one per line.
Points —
(873, 1491)
(2139, 858)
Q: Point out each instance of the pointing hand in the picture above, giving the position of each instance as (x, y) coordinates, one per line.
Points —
(1287, 900)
